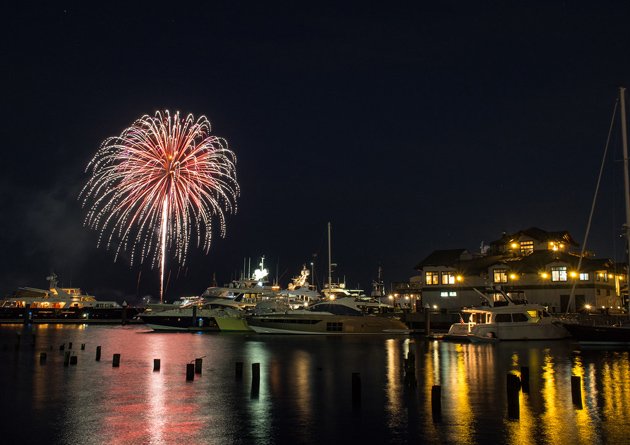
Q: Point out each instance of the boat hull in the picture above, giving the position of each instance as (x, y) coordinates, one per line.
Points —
(592, 335)
(179, 323)
(68, 315)
(325, 324)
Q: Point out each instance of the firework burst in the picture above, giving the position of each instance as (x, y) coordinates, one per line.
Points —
(162, 180)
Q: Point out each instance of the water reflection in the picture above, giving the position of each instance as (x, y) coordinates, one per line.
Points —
(304, 394)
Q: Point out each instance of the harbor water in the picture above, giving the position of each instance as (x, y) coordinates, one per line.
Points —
(312, 389)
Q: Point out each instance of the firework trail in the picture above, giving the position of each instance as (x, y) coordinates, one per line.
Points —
(163, 180)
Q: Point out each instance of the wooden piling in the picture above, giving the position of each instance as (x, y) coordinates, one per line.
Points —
(238, 372)
(427, 321)
(69, 345)
(116, 361)
(513, 389)
(576, 391)
(255, 380)
(83, 346)
(66, 358)
(436, 403)
(198, 362)
(98, 353)
(156, 364)
(525, 379)
(190, 372)
(356, 388)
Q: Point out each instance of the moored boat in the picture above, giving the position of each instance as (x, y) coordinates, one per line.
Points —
(506, 320)
(340, 316)
(62, 305)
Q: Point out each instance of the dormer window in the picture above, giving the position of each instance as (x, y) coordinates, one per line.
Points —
(527, 247)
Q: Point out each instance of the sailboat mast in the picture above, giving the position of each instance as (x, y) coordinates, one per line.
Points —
(626, 181)
(329, 260)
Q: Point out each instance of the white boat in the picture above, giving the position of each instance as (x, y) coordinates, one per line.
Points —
(299, 294)
(214, 315)
(61, 304)
(506, 320)
(339, 316)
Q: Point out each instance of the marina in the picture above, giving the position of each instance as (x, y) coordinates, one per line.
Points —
(305, 393)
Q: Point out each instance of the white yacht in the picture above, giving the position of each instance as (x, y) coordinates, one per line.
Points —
(299, 294)
(338, 316)
(61, 304)
(504, 319)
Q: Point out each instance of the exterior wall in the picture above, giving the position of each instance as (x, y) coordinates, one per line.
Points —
(537, 288)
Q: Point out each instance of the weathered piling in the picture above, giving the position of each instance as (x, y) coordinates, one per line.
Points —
(156, 364)
(356, 388)
(66, 358)
(427, 321)
(525, 379)
(73, 359)
(116, 361)
(190, 372)
(576, 391)
(98, 353)
(513, 388)
(238, 371)
(410, 370)
(255, 380)
(83, 346)
(198, 363)
(436, 403)
(42, 358)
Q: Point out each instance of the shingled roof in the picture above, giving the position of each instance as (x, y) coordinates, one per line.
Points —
(537, 234)
(441, 258)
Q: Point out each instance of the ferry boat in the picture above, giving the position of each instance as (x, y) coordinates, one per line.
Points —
(61, 305)
(505, 319)
(338, 316)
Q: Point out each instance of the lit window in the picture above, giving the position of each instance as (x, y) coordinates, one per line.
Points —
(584, 276)
(443, 294)
(527, 247)
(559, 273)
(452, 294)
(448, 278)
(500, 276)
(431, 278)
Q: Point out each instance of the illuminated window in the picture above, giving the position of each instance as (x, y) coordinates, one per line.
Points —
(452, 294)
(448, 278)
(601, 276)
(443, 294)
(431, 278)
(500, 276)
(584, 276)
(559, 273)
(527, 247)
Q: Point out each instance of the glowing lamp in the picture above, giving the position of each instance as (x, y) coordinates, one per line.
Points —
(573, 274)
(459, 278)
(514, 245)
(544, 275)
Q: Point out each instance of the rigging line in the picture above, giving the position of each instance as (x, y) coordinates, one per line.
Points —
(590, 216)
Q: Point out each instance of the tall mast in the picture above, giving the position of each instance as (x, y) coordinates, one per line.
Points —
(329, 260)
(626, 181)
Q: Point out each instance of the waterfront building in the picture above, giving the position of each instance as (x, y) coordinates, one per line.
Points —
(533, 264)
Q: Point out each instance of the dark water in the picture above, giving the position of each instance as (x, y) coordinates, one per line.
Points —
(305, 393)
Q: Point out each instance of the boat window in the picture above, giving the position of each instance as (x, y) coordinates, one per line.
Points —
(337, 309)
(534, 314)
(503, 318)
(334, 326)
(519, 317)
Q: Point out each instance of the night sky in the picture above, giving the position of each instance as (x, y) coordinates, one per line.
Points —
(410, 127)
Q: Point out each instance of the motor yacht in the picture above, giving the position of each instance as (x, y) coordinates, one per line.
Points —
(505, 319)
(338, 316)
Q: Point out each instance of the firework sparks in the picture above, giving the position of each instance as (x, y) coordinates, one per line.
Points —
(163, 180)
